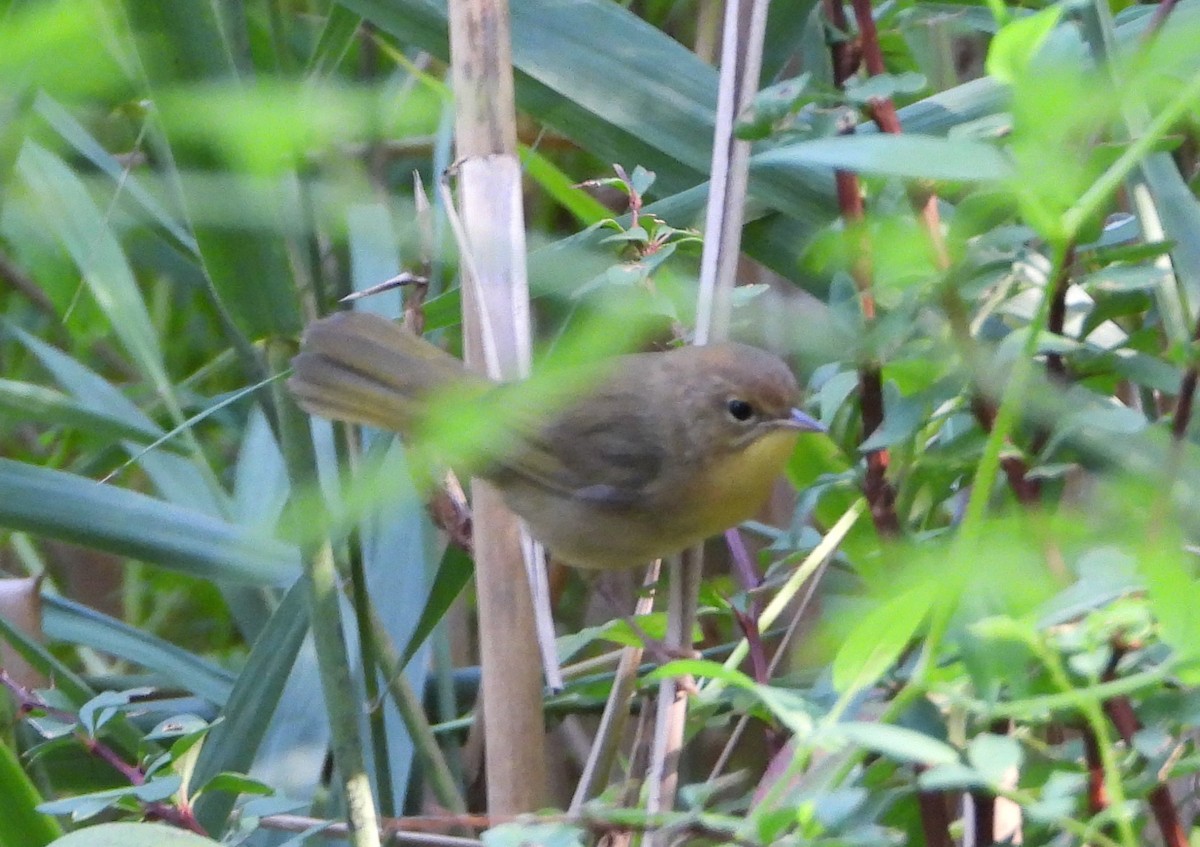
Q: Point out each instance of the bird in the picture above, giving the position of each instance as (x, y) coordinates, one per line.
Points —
(659, 452)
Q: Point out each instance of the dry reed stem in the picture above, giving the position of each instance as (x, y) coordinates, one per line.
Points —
(497, 342)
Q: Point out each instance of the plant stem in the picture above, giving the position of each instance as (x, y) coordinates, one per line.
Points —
(333, 662)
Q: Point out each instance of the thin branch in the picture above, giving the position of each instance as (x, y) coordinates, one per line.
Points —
(1097, 794)
(616, 708)
(1187, 393)
(1058, 313)
(1162, 807)
(935, 818)
(879, 492)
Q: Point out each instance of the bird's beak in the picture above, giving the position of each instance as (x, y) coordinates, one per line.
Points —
(804, 422)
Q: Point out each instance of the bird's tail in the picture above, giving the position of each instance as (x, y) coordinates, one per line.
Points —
(361, 368)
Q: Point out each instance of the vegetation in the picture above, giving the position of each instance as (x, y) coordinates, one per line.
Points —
(975, 231)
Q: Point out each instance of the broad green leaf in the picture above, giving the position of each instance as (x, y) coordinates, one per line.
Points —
(400, 550)
(951, 777)
(619, 103)
(453, 574)
(337, 36)
(541, 834)
(75, 134)
(184, 43)
(882, 86)
(790, 707)
(705, 670)
(102, 708)
(586, 209)
(84, 806)
(72, 508)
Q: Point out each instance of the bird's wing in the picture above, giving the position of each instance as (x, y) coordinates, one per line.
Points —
(610, 458)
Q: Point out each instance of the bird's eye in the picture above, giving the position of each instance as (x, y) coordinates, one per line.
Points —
(740, 410)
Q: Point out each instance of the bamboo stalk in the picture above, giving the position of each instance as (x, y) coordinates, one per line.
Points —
(496, 324)
(741, 64)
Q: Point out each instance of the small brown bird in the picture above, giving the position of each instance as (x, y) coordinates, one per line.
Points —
(663, 451)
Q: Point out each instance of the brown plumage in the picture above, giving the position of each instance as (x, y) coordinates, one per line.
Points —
(664, 450)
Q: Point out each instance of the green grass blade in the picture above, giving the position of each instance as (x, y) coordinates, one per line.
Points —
(233, 743)
(22, 825)
(72, 508)
(65, 620)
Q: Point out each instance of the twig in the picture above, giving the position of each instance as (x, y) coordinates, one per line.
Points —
(1097, 794)
(1058, 313)
(616, 708)
(935, 818)
(1120, 711)
(879, 492)
(750, 579)
(663, 772)
(1187, 393)
(599, 820)
(1161, 13)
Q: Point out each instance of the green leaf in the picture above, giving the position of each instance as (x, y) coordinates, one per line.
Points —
(337, 36)
(541, 834)
(73, 622)
(178, 479)
(454, 572)
(232, 744)
(996, 757)
(75, 134)
(21, 825)
(619, 103)
(879, 638)
(791, 708)
(1175, 599)
(84, 806)
(1013, 48)
(951, 777)
(704, 669)
(881, 86)
(133, 835)
(29, 402)
(72, 508)
(102, 708)
(897, 742)
(87, 235)
(236, 783)
(908, 156)
(585, 208)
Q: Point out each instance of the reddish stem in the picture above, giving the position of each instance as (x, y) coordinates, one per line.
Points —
(1187, 394)
(1162, 807)
(1097, 794)
(1058, 313)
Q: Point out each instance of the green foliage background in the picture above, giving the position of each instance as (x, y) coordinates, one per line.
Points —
(184, 184)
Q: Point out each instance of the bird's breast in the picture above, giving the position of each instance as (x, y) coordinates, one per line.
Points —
(732, 488)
